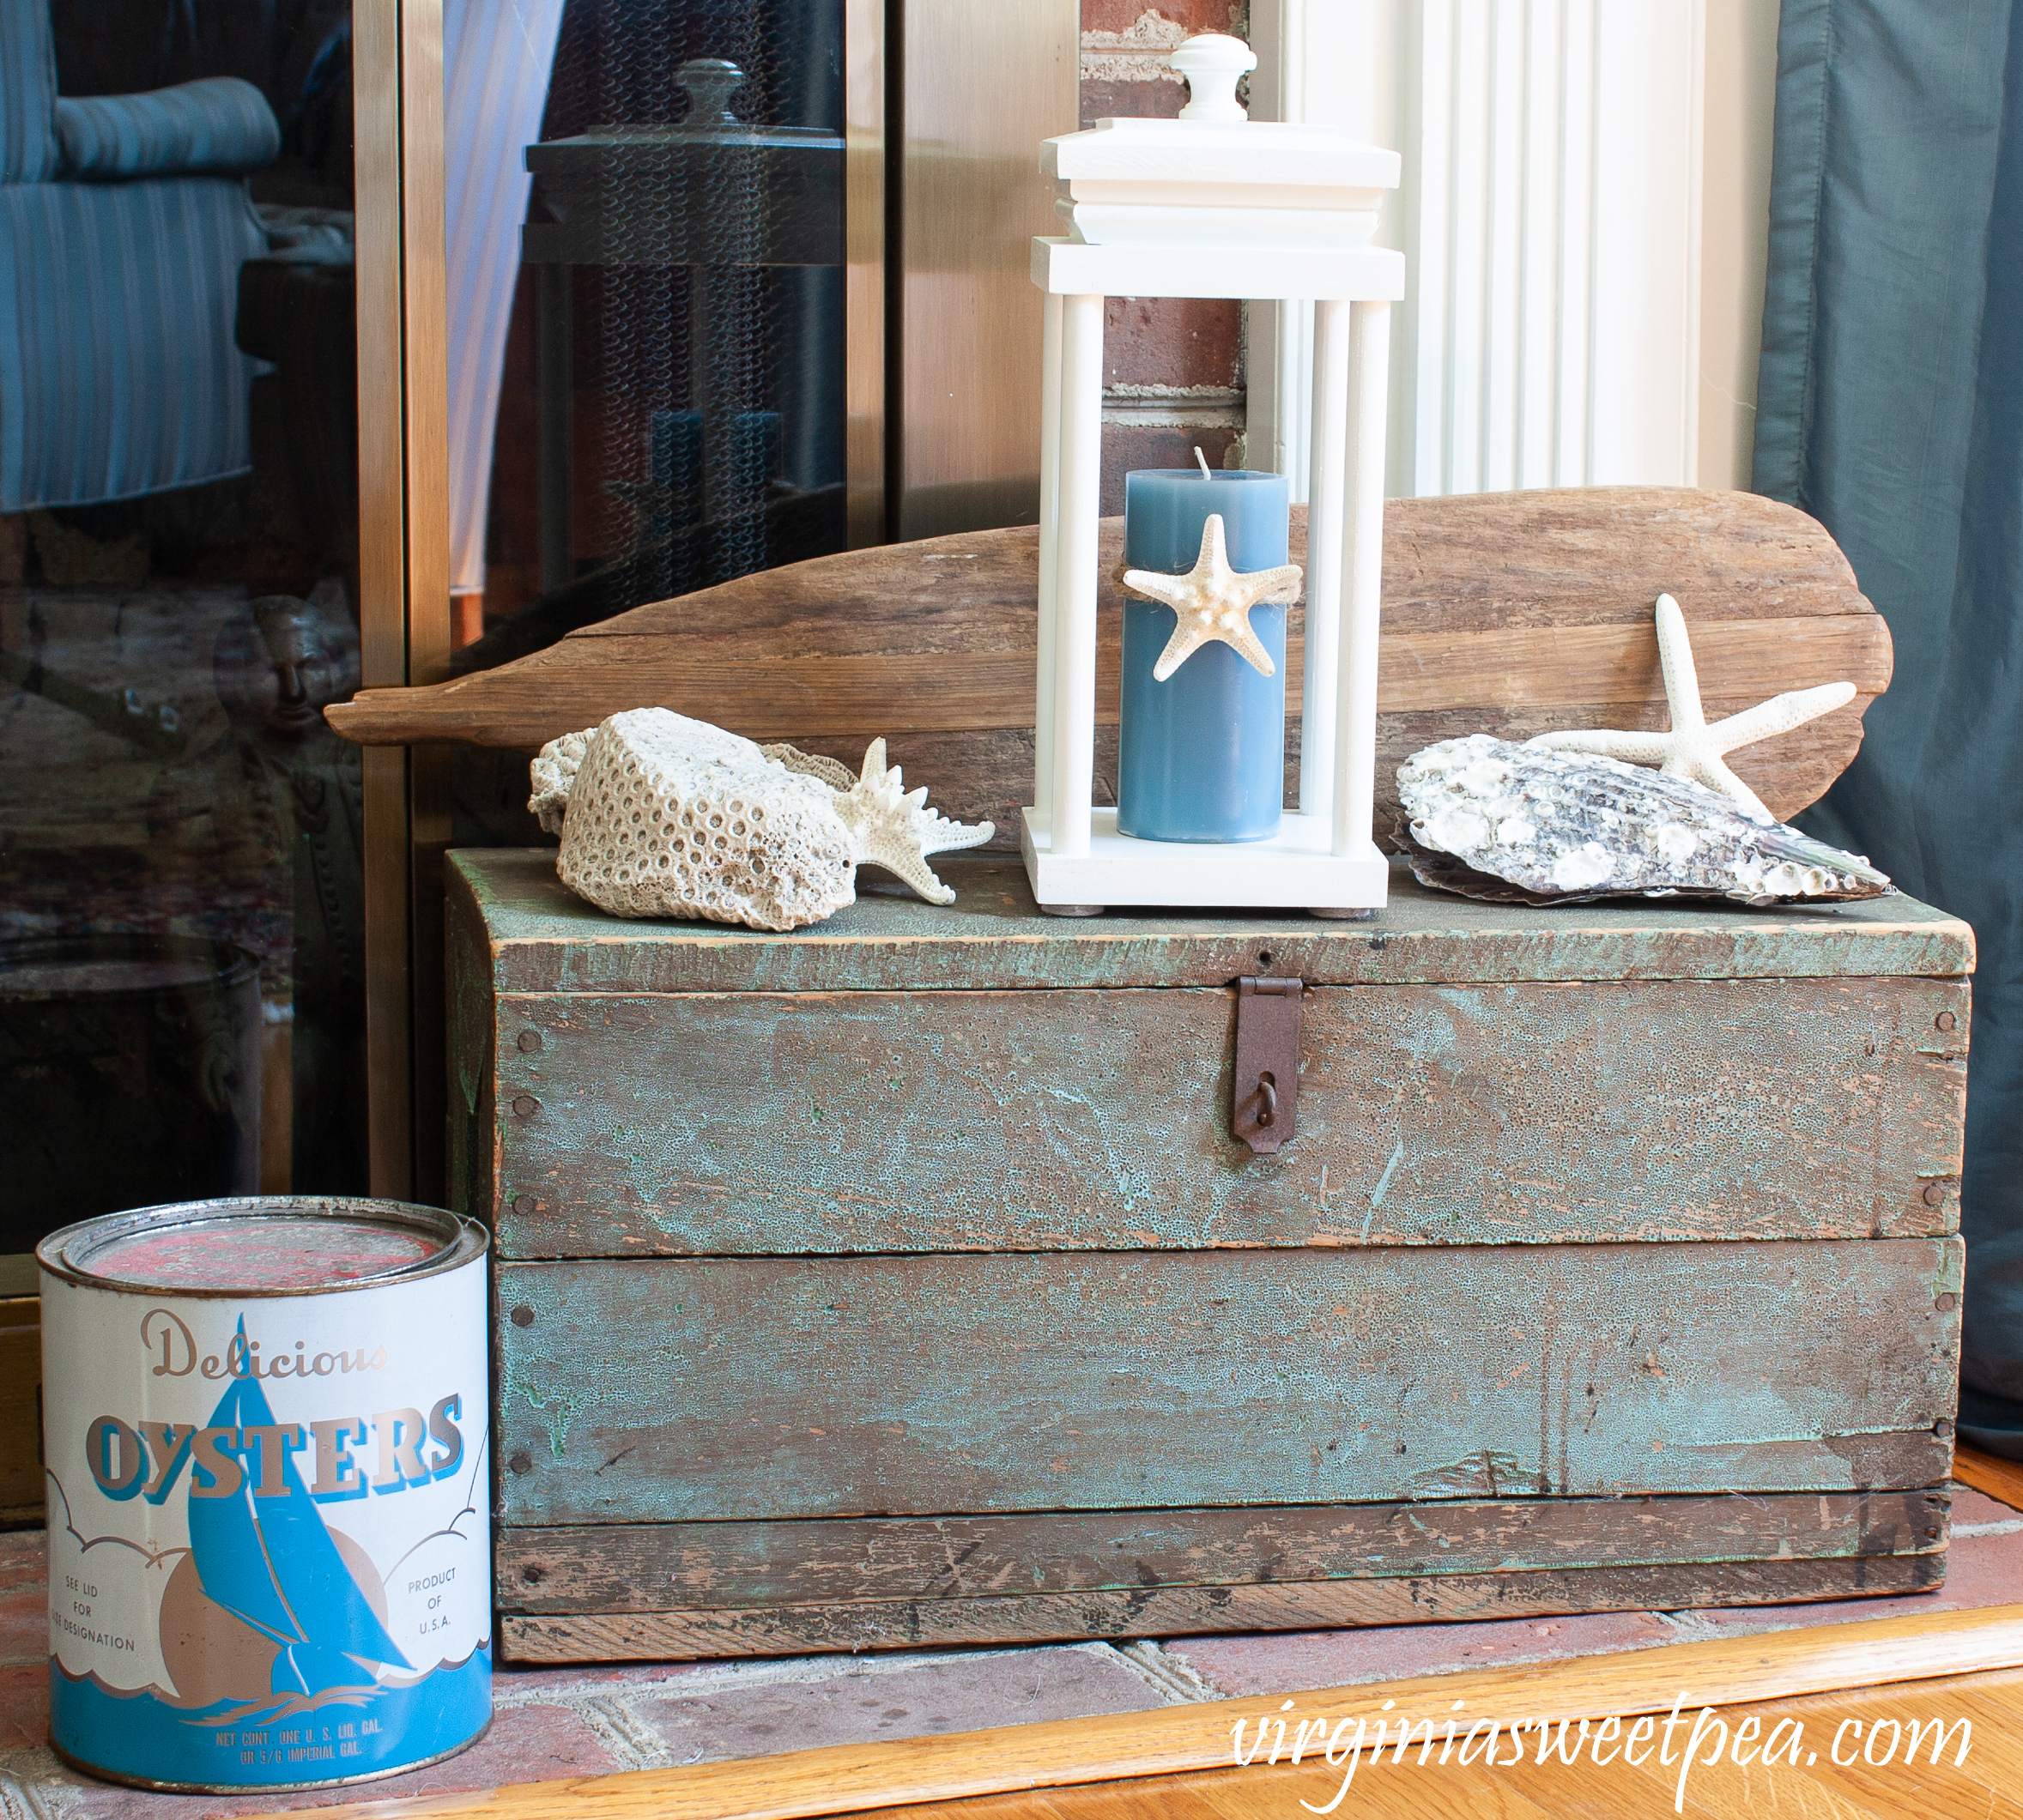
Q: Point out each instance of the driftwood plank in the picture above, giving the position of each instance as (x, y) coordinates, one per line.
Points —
(1560, 1113)
(646, 1566)
(533, 936)
(1508, 612)
(688, 1635)
(978, 691)
(683, 1389)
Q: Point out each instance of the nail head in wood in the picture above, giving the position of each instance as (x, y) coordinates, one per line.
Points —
(1946, 1020)
(530, 1042)
(523, 1317)
(526, 1106)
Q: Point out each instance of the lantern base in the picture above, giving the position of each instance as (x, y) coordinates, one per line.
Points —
(1294, 870)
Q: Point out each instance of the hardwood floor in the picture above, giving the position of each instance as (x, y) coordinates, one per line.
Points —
(1987, 1784)
(1988, 1473)
(1177, 1761)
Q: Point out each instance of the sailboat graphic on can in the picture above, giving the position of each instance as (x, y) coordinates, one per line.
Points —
(269, 1482)
(264, 1554)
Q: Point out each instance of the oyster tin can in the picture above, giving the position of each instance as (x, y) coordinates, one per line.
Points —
(265, 1427)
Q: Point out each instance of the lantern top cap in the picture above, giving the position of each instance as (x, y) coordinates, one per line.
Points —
(1213, 62)
(1183, 156)
(1214, 150)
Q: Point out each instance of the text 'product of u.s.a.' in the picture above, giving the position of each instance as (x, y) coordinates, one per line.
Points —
(265, 1427)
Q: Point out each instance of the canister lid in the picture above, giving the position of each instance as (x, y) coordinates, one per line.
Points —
(260, 1245)
(113, 966)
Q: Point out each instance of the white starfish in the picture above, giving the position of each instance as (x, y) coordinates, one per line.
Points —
(1213, 601)
(895, 829)
(1692, 748)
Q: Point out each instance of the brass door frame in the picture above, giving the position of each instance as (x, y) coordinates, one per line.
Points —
(868, 98)
(403, 564)
(981, 83)
(941, 194)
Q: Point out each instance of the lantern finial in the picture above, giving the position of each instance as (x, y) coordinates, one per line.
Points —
(1212, 62)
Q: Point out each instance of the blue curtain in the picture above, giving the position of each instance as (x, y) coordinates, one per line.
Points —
(1890, 406)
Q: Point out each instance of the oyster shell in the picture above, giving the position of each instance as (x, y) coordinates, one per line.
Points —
(1569, 827)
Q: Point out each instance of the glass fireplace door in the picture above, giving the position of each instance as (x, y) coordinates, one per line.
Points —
(182, 949)
(655, 295)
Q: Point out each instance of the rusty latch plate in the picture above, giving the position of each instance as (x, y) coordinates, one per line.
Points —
(1264, 1095)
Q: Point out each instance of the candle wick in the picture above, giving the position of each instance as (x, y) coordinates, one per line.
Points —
(1203, 460)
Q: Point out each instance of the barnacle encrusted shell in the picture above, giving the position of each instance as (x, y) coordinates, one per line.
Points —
(1570, 826)
(672, 817)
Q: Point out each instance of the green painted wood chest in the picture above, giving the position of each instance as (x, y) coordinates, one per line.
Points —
(900, 1282)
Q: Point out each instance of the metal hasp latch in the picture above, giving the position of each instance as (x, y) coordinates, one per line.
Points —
(1264, 1094)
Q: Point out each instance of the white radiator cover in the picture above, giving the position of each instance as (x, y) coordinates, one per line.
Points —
(1550, 219)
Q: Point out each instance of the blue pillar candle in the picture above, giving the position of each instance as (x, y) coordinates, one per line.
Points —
(1202, 756)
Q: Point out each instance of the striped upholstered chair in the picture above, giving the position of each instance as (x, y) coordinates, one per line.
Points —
(124, 221)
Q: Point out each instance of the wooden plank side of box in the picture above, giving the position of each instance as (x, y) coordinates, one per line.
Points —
(1570, 1111)
(703, 1389)
(648, 1567)
(536, 937)
(688, 1635)
(470, 1161)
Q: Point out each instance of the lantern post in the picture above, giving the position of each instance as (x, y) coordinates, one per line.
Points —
(1213, 204)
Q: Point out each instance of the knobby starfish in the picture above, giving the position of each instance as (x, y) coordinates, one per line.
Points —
(1692, 748)
(1213, 601)
(893, 826)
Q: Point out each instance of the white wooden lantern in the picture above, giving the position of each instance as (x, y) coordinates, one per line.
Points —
(1214, 204)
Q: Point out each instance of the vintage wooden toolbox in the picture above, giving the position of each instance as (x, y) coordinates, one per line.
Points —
(900, 1282)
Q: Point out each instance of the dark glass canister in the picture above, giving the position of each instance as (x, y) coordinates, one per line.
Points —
(129, 1075)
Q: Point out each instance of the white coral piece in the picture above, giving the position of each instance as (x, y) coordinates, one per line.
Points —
(552, 773)
(671, 817)
(664, 816)
(837, 775)
(894, 827)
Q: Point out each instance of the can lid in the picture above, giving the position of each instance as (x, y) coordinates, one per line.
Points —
(276, 1245)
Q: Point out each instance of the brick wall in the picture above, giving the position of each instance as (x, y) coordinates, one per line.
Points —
(1173, 367)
